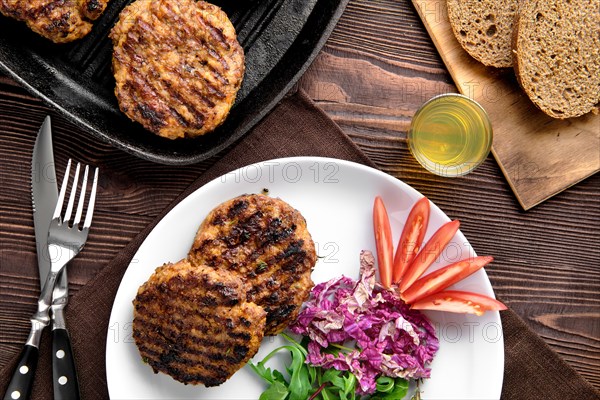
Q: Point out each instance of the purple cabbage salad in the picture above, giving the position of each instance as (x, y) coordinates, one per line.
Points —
(359, 326)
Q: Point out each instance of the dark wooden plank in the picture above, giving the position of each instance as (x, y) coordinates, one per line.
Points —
(378, 67)
(132, 192)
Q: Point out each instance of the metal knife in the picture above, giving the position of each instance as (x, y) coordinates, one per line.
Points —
(44, 194)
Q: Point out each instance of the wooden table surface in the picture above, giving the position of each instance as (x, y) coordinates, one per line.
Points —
(377, 68)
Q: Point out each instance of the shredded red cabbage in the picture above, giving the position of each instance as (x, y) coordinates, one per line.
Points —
(366, 329)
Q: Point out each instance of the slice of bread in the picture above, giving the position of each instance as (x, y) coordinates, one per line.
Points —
(557, 55)
(484, 29)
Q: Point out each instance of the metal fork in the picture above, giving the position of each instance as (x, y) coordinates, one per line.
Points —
(65, 240)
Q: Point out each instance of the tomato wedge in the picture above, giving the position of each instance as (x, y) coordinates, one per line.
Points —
(411, 238)
(429, 253)
(383, 241)
(444, 277)
(459, 302)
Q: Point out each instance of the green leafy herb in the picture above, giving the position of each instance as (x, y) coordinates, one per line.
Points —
(306, 382)
(315, 383)
(385, 384)
(261, 266)
(277, 391)
(299, 386)
(394, 389)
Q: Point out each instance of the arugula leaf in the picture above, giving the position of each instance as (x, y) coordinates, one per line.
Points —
(317, 383)
(350, 385)
(299, 346)
(339, 385)
(277, 391)
(396, 393)
(385, 384)
(333, 376)
(299, 385)
(266, 373)
(312, 375)
(278, 376)
(326, 396)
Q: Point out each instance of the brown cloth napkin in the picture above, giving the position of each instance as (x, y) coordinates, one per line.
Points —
(295, 128)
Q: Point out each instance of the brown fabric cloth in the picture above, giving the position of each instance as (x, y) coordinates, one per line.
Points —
(295, 128)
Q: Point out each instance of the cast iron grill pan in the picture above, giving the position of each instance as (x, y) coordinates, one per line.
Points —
(280, 40)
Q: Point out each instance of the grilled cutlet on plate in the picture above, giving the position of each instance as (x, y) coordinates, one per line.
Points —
(61, 21)
(192, 323)
(263, 241)
(177, 65)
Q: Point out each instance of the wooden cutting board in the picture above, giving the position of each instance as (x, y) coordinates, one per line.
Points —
(540, 156)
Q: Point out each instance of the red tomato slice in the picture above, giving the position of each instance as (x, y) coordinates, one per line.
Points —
(459, 302)
(383, 241)
(411, 239)
(430, 252)
(444, 277)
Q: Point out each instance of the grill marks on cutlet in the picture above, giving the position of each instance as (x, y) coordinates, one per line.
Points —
(58, 20)
(265, 242)
(256, 230)
(199, 350)
(195, 340)
(278, 286)
(178, 65)
(247, 274)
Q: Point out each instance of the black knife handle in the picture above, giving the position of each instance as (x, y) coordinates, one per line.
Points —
(22, 379)
(64, 374)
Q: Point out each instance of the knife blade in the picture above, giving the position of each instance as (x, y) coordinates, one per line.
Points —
(44, 193)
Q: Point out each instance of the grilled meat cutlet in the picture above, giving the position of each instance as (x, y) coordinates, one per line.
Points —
(263, 241)
(192, 323)
(177, 65)
(61, 21)
(246, 276)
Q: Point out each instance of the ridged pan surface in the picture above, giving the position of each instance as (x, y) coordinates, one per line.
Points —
(280, 39)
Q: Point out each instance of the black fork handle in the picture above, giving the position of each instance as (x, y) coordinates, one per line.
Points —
(64, 373)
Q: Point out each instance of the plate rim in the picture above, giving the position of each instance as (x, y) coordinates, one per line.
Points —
(349, 164)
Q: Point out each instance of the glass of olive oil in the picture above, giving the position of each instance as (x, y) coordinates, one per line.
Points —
(450, 135)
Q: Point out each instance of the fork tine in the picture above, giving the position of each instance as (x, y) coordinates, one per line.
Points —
(63, 190)
(81, 197)
(69, 210)
(90, 210)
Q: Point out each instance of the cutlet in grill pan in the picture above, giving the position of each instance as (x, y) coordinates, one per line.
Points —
(177, 65)
(61, 21)
(263, 241)
(192, 323)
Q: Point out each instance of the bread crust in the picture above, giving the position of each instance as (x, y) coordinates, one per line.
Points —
(484, 29)
(557, 78)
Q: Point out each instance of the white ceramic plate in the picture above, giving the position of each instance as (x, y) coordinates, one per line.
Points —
(336, 199)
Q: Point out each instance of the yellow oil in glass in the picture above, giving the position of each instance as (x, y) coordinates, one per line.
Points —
(450, 135)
